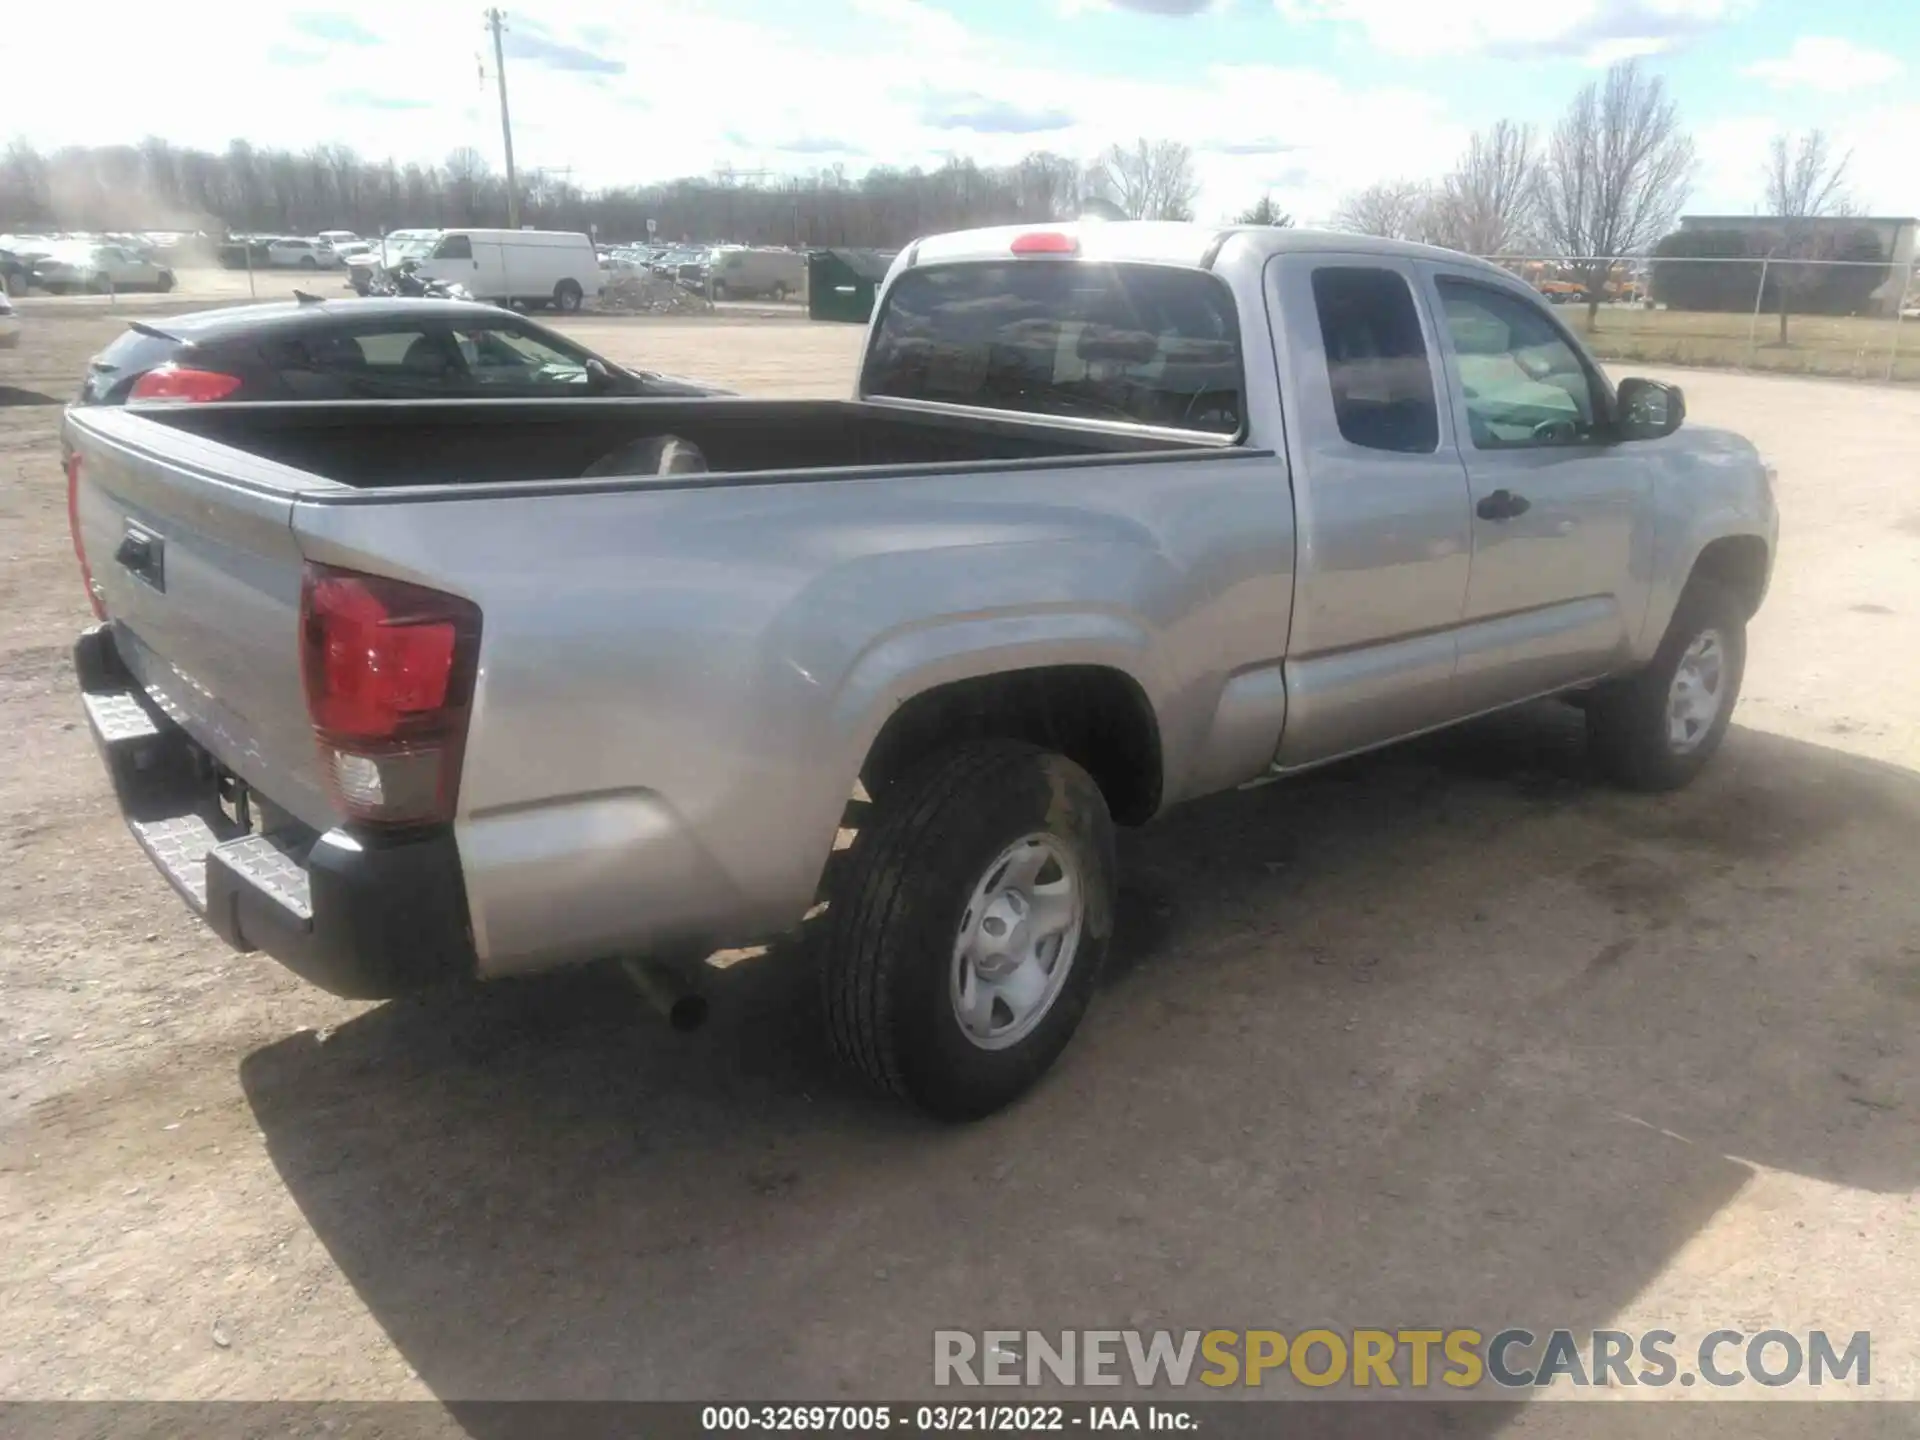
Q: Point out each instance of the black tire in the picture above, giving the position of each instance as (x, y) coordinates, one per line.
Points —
(779, 291)
(307, 262)
(165, 283)
(1627, 721)
(567, 296)
(898, 903)
(718, 289)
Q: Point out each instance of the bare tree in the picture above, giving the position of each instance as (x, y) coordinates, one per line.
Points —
(1048, 185)
(1153, 180)
(1488, 205)
(1806, 183)
(1616, 173)
(1264, 212)
(1393, 209)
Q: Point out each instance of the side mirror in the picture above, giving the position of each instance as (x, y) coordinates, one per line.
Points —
(599, 378)
(1648, 409)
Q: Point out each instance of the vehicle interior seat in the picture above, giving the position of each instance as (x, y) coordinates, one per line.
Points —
(650, 455)
(425, 356)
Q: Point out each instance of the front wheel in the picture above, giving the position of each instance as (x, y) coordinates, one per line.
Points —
(965, 935)
(567, 297)
(1657, 730)
(779, 292)
(165, 283)
(307, 262)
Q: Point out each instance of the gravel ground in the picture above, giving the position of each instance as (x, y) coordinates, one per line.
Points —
(1451, 1036)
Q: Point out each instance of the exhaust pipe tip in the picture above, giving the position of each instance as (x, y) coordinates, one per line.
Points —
(668, 991)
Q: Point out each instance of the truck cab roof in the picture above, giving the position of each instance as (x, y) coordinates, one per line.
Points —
(1172, 242)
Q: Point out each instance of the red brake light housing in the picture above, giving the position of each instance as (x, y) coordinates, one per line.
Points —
(181, 382)
(389, 669)
(73, 526)
(1045, 242)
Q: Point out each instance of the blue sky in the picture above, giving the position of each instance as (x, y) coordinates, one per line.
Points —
(1307, 99)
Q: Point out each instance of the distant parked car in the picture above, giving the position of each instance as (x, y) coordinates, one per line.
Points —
(338, 238)
(9, 323)
(301, 254)
(378, 349)
(99, 268)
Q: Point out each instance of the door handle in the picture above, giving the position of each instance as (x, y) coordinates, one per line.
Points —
(1502, 505)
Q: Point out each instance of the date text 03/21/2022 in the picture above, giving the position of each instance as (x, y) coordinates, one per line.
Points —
(943, 1419)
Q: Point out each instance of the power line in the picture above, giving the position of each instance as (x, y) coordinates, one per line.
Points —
(496, 23)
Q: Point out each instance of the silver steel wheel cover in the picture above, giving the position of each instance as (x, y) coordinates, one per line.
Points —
(1018, 937)
(1697, 692)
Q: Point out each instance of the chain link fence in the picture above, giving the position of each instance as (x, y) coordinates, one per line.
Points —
(1857, 319)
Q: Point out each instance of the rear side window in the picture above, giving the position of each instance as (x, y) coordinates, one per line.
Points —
(383, 364)
(454, 247)
(1376, 359)
(1151, 344)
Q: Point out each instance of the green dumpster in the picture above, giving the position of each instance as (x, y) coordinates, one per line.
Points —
(841, 284)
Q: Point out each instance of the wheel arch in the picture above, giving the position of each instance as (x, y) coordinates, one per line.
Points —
(1096, 714)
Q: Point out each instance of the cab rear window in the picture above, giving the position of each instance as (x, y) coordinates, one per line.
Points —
(1151, 344)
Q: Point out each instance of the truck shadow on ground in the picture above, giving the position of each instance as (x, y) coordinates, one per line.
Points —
(1449, 1036)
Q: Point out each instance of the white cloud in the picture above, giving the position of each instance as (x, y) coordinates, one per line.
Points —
(621, 100)
(1598, 31)
(1821, 62)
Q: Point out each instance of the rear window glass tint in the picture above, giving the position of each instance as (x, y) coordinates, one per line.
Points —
(1150, 344)
(1376, 360)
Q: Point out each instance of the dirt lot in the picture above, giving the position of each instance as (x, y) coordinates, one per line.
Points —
(1453, 1036)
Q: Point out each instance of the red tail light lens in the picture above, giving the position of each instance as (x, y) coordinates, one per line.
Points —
(79, 545)
(389, 670)
(1045, 242)
(176, 382)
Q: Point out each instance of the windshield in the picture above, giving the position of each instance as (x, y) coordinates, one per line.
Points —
(1150, 344)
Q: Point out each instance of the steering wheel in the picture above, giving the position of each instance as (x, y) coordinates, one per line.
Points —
(1557, 432)
(1221, 408)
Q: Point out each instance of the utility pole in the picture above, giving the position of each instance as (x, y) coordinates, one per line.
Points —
(495, 21)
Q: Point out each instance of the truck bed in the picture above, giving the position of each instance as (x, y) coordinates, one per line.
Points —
(375, 445)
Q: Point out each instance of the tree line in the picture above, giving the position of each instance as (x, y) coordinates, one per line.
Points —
(1608, 181)
(249, 189)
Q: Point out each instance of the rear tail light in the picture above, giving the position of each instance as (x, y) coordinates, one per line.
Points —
(178, 382)
(389, 670)
(79, 545)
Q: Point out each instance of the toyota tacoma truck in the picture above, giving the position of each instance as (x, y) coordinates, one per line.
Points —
(1119, 515)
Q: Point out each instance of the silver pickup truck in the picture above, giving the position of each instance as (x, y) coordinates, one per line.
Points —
(1121, 515)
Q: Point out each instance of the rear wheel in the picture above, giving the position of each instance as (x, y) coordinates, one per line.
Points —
(779, 290)
(1657, 730)
(965, 935)
(719, 288)
(567, 296)
(165, 282)
(307, 262)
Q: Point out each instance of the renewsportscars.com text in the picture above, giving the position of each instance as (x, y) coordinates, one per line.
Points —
(1458, 1359)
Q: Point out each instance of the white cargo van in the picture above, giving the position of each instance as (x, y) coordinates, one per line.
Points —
(534, 267)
